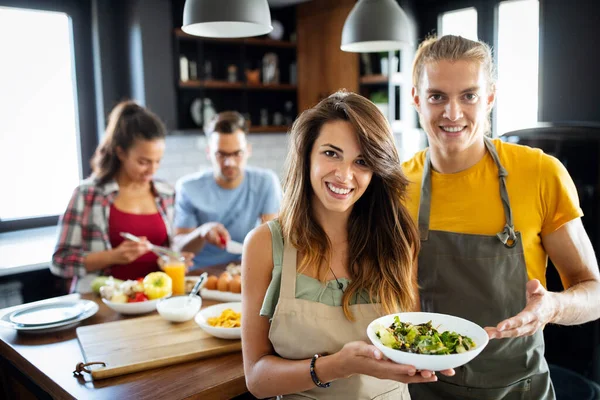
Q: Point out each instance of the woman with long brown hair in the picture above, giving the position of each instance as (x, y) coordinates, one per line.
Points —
(341, 253)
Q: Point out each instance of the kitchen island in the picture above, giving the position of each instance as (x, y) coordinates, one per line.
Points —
(42, 365)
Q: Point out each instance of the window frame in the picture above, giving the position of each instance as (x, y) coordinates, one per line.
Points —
(487, 17)
(440, 17)
(81, 20)
(487, 31)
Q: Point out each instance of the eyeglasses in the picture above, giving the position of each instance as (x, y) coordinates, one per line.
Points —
(222, 156)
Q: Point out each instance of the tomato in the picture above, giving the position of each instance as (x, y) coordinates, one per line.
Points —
(139, 296)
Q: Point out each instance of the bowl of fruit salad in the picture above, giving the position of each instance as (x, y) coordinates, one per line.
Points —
(427, 341)
(136, 296)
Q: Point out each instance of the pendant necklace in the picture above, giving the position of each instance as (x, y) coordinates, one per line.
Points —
(340, 285)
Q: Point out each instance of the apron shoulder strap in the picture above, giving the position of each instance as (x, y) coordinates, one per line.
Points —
(288, 272)
(284, 255)
(508, 235)
(425, 200)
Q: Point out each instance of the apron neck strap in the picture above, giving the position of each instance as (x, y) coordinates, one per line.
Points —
(508, 236)
(288, 272)
(425, 203)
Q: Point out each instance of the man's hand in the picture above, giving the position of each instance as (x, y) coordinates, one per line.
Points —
(542, 307)
(193, 240)
(215, 234)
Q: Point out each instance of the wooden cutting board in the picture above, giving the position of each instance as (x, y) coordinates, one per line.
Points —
(139, 344)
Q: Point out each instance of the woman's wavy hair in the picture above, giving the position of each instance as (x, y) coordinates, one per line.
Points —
(127, 122)
(382, 239)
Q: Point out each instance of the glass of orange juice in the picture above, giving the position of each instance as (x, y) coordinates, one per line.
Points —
(175, 268)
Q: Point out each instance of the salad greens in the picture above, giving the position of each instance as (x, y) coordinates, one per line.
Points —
(422, 339)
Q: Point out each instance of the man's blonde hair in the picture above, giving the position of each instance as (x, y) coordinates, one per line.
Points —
(453, 48)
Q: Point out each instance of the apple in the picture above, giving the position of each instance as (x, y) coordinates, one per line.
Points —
(100, 281)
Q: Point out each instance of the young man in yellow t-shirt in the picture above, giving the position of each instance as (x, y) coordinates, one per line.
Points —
(490, 213)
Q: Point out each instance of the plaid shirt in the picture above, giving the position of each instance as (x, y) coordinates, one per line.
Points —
(83, 228)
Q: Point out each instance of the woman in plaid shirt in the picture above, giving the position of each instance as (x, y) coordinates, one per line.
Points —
(120, 196)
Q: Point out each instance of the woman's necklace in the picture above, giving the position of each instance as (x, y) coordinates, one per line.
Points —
(340, 285)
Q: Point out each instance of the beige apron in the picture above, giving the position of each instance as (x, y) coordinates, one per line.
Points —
(301, 328)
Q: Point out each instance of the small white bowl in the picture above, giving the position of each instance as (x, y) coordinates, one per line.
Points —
(215, 311)
(140, 307)
(441, 322)
(178, 308)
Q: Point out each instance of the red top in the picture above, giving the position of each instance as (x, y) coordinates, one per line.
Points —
(149, 225)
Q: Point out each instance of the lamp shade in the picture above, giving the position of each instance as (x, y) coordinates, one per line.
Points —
(226, 18)
(376, 25)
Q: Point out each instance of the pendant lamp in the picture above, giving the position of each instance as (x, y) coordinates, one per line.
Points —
(376, 25)
(226, 18)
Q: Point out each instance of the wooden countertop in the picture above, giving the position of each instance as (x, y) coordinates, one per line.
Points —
(49, 360)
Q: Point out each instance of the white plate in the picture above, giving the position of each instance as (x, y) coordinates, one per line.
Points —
(441, 322)
(88, 307)
(46, 314)
(215, 311)
(220, 296)
(196, 111)
(140, 307)
(277, 32)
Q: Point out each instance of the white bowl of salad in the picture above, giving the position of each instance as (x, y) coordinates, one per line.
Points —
(427, 341)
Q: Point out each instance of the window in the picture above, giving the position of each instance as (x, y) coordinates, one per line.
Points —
(460, 23)
(40, 106)
(517, 56)
(37, 108)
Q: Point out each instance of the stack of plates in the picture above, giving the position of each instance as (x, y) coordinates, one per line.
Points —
(49, 316)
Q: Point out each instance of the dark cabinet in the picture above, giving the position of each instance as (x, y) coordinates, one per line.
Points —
(255, 76)
(578, 148)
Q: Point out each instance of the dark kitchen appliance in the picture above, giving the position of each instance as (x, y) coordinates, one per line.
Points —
(577, 146)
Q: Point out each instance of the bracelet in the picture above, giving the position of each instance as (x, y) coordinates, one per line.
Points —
(313, 374)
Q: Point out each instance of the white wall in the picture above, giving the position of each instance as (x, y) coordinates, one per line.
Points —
(186, 154)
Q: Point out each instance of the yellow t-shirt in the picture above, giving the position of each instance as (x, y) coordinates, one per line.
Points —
(542, 196)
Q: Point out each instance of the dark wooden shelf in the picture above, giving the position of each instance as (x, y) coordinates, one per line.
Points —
(247, 41)
(213, 84)
(269, 129)
(373, 79)
(270, 86)
(252, 129)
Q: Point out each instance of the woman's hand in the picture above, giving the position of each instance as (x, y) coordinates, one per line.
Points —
(189, 259)
(366, 359)
(129, 251)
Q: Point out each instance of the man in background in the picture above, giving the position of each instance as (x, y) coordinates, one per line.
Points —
(225, 203)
